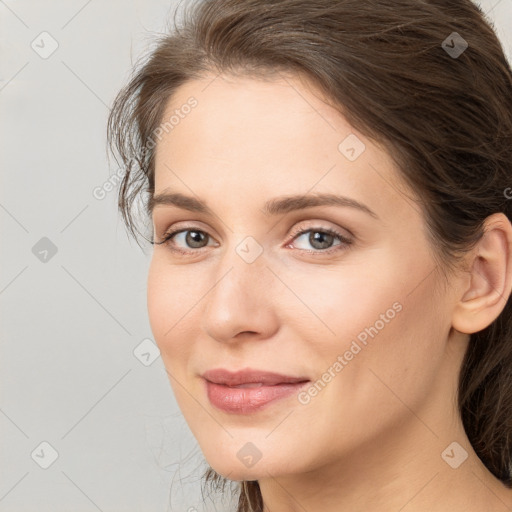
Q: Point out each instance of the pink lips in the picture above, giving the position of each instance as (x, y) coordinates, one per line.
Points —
(248, 391)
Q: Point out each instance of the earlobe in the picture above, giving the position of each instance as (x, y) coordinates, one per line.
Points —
(490, 278)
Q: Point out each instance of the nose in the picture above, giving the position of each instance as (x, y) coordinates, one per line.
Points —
(240, 303)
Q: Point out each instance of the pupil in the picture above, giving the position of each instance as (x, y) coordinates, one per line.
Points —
(190, 238)
(314, 238)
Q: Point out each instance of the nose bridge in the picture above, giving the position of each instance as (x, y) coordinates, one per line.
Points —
(238, 299)
(243, 267)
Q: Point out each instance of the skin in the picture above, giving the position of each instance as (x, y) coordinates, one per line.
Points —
(373, 437)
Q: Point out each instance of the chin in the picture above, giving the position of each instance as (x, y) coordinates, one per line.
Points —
(234, 470)
(230, 467)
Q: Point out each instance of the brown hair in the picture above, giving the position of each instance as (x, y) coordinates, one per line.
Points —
(389, 67)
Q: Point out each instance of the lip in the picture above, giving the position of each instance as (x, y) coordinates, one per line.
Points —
(249, 376)
(248, 391)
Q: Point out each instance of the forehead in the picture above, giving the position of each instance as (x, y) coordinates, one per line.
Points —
(256, 110)
(269, 135)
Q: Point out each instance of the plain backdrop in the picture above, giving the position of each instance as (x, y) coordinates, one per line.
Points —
(87, 416)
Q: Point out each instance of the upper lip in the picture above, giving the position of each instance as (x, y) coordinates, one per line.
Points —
(248, 376)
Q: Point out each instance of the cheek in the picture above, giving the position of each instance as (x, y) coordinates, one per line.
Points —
(170, 306)
(158, 300)
(171, 311)
(392, 344)
(335, 304)
(383, 314)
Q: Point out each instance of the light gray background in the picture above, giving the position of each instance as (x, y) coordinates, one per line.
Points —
(69, 376)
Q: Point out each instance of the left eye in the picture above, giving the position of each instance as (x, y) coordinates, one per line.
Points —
(321, 239)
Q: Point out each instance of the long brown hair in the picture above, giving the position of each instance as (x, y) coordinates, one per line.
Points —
(427, 79)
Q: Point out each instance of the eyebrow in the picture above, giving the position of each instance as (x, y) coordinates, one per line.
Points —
(276, 206)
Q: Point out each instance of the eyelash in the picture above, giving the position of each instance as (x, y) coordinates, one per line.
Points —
(343, 239)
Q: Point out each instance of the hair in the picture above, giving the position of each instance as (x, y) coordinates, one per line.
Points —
(445, 119)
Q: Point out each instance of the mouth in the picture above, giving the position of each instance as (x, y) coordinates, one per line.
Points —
(248, 391)
(248, 377)
(248, 385)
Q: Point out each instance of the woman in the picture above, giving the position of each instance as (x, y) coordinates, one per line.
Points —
(329, 187)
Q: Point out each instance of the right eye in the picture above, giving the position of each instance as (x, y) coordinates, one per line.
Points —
(192, 237)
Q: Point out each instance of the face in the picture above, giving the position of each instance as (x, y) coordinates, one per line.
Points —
(340, 297)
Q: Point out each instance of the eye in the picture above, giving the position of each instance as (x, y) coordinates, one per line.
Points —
(321, 240)
(194, 238)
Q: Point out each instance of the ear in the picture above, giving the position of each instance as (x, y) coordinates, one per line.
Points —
(490, 276)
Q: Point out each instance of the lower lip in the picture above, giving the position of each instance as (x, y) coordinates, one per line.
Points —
(248, 400)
